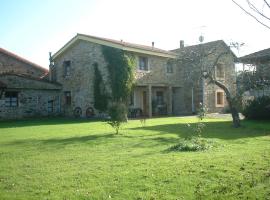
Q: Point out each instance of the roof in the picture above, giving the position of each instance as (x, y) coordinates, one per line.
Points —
(206, 46)
(116, 44)
(4, 51)
(8, 80)
(263, 55)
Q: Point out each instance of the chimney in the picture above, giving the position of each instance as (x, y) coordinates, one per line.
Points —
(182, 44)
(50, 59)
(153, 44)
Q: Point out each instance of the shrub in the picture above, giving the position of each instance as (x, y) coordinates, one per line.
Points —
(118, 115)
(194, 141)
(258, 108)
(194, 144)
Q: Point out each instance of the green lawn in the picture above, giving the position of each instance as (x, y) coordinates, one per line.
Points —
(78, 159)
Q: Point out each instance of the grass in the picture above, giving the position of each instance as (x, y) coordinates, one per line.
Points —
(78, 159)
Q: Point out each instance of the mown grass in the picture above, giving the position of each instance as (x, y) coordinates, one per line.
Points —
(78, 159)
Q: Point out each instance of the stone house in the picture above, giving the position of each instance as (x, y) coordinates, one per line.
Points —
(24, 92)
(161, 87)
(158, 87)
(214, 57)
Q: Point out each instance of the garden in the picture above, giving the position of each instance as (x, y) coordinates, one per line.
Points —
(61, 158)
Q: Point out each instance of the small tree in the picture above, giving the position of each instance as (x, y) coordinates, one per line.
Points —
(118, 115)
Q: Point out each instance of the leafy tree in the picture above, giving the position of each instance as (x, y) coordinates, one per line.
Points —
(120, 65)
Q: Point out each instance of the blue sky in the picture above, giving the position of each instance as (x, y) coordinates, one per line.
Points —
(32, 28)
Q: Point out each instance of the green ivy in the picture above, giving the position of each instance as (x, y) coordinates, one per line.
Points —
(100, 96)
(121, 67)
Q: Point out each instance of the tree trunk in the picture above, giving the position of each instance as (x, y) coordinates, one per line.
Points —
(234, 112)
(231, 103)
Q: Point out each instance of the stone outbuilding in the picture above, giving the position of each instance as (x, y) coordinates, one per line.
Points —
(24, 92)
(215, 58)
(12, 63)
(23, 96)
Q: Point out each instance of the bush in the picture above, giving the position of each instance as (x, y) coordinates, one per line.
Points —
(118, 115)
(258, 108)
(194, 144)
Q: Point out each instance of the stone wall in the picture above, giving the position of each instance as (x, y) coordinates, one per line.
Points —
(80, 82)
(9, 64)
(203, 92)
(82, 55)
(31, 103)
(33, 97)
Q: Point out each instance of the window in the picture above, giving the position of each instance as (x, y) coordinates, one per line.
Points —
(67, 68)
(11, 99)
(219, 99)
(169, 67)
(143, 63)
(160, 98)
(67, 98)
(131, 98)
(220, 73)
(50, 106)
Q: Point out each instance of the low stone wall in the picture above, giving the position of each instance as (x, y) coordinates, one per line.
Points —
(30, 103)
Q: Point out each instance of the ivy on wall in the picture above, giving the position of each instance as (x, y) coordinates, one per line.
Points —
(100, 96)
(121, 67)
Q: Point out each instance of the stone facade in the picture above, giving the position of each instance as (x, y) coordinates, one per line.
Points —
(30, 97)
(82, 56)
(198, 90)
(11, 63)
(165, 84)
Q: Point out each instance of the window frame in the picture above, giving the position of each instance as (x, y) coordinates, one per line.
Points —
(169, 68)
(223, 70)
(67, 68)
(50, 106)
(146, 63)
(67, 98)
(219, 105)
(9, 101)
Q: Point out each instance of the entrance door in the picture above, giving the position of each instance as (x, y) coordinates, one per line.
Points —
(144, 99)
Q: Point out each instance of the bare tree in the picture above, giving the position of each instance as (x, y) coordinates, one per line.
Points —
(257, 9)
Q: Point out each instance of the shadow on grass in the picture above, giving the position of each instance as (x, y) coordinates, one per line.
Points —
(43, 122)
(219, 130)
(63, 141)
